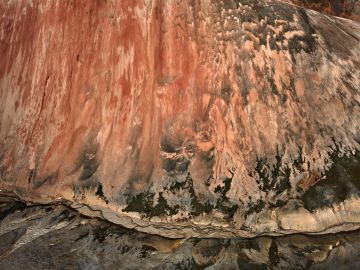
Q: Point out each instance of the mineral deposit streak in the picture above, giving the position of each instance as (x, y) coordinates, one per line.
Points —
(185, 118)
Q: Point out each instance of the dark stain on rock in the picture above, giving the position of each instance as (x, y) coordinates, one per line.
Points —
(175, 165)
(223, 203)
(340, 182)
(144, 203)
(100, 233)
(179, 163)
(254, 207)
(296, 43)
(207, 252)
(65, 215)
(243, 263)
(167, 146)
(274, 177)
(226, 93)
(37, 182)
(10, 238)
(90, 165)
(99, 192)
(31, 175)
(146, 251)
(82, 236)
(274, 89)
(274, 253)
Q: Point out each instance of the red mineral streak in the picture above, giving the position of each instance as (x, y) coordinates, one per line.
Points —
(137, 94)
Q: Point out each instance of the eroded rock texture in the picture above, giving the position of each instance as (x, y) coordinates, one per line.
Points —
(342, 8)
(55, 236)
(193, 116)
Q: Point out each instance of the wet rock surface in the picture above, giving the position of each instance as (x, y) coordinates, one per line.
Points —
(55, 236)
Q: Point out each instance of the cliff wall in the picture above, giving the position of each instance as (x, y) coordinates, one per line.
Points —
(214, 113)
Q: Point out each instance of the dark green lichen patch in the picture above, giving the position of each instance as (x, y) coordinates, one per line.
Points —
(222, 190)
(163, 207)
(141, 203)
(144, 203)
(272, 178)
(254, 207)
(299, 162)
(340, 182)
(275, 179)
(188, 185)
(92, 185)
(223, 203)
(227, 208)
(99, 192)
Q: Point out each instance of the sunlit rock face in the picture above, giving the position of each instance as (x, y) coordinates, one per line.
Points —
(343, 8)
(198, 117)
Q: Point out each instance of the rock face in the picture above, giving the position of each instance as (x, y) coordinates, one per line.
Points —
(343, 8)
(57, 237)
(194, 117)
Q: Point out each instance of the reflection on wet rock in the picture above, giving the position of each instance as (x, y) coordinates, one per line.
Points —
(55, 236)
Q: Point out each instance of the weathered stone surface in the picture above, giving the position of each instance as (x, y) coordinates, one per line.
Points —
(343, 8)
(55, 236)
(183, 118)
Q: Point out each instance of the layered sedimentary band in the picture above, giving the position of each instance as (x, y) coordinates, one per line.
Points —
(54, 236)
